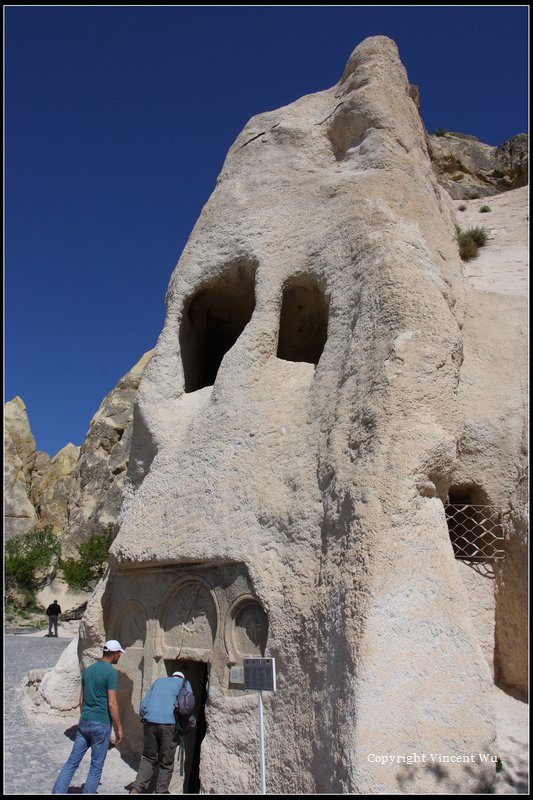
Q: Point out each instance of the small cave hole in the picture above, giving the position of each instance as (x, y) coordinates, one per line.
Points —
(303, 324)
(213, 319)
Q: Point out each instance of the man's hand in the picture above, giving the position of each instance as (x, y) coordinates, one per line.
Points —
(114, 714)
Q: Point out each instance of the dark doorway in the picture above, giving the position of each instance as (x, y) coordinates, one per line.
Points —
(196, 672)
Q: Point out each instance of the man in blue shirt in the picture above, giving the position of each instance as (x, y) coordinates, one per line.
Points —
(160, 735)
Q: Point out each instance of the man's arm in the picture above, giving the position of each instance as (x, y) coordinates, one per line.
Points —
(143, 707)
(114, 714)
(81, 698)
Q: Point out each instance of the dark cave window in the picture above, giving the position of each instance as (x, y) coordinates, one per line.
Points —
(213, 320)
(303, 323)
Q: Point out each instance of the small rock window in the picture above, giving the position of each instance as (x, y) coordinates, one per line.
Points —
(303, 324)
(213, 319)
(474, 525)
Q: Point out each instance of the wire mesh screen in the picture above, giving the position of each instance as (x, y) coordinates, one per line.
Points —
(475, 532)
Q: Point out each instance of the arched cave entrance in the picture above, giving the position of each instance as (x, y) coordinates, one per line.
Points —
(303, 323)
(213, 319)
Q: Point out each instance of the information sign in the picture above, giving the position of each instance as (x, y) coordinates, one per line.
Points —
(260, 674)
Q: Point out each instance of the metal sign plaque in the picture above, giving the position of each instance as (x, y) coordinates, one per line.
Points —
(260, 674)
(236, 675)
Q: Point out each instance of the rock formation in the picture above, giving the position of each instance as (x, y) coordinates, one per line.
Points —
(52, 484)
(100, 473)
(492, 463)
(19, 459)
(320, 389)
(467, 168)
(79, 491)
(295, 438)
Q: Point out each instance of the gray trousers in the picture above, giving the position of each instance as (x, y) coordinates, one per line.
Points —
(52, 624)
(160, 742)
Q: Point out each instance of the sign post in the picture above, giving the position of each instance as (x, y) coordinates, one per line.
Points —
(260, 674)
(262, 778)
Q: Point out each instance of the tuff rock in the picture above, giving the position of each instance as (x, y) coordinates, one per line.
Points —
(78, 492)
(19, 459)
(52, 484)
(98, 480)
(320, 390)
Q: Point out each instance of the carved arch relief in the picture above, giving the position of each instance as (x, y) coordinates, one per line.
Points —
(189, 618)
(131, 625)
(246, 629)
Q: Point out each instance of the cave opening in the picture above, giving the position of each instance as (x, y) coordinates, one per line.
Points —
(213, 319)
(303, 324)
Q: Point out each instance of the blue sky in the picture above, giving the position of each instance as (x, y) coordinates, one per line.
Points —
(117, 122)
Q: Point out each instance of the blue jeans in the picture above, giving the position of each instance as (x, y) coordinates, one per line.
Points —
(95, 735)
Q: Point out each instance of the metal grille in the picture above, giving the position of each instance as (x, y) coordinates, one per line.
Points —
(475, 532)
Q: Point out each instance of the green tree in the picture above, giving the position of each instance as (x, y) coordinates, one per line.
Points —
(25, 556)
(92, 561)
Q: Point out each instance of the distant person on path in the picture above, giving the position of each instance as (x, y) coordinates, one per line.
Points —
(53, 611)
(160, 733)
(99, 708)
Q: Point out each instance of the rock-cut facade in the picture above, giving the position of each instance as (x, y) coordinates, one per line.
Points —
(301, 427)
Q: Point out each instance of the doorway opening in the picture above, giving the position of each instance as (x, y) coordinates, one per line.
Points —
(196, 672)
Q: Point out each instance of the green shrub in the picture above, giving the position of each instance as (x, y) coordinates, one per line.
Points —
(475, 196)
(468, 249)
(440, 132)
(470, 241)
(25, 556)
(462, 207)
(479, 235)
(485, 209)
(90, 566)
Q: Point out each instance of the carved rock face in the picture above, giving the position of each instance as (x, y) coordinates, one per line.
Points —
(294, 437)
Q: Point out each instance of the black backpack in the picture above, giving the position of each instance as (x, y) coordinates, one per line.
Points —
(185, 719)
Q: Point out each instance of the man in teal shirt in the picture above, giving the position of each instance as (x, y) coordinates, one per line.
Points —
(99, 709)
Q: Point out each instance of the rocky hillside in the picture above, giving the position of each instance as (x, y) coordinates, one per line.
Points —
(78, 491)
(467, 168)
(103, 461)
(37, 487)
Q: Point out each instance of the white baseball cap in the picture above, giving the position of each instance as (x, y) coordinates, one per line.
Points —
(112, 646)
(178, 675)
